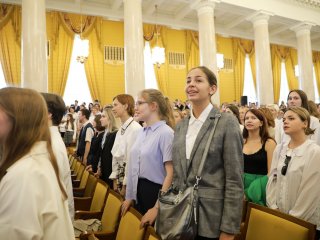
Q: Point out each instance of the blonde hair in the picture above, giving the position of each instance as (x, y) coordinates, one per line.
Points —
(112, 120)
(304, 115)
(19, 104)
(165, 108)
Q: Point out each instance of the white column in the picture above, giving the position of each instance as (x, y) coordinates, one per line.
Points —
(305, 59)
(133, 45)
(264, 76)
(207, 40)
(34, 43)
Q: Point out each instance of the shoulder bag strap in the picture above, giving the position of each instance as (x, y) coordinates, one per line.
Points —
(205, 153)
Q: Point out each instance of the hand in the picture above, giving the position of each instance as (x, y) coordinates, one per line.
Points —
(115, 187)
(123, 191)
(125, 206)
(226, 236)
(149, 217)
(89, 168)
(98, 173)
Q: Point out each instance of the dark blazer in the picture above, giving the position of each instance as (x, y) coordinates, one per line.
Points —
(221, 186)
(106, 158)
(94, 154)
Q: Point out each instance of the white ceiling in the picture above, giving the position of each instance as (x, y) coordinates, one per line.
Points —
(230, 15)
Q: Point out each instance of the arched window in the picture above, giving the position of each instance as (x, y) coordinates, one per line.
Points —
(284, 87)
(149, 75)
(2, 80)
(248, 86)
(77, 86)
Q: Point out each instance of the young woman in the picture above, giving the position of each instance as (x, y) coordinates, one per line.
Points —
(270, 121)
(150, 166)
(298, 98)
(235, 111)
(257, 152)
(32, 198)
(71, 130)
(94, 153)
(293, 185)
(221, 186)
(105, 157)
(123, 108)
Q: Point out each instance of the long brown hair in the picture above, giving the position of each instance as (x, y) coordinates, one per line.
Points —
(263, 131)
(70, 121)
(164, 104)
(28, 113)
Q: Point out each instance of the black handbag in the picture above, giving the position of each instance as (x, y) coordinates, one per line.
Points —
(177, 217)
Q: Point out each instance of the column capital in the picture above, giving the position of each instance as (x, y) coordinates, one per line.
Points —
(204, 6)
(302, 28)
(259, 18)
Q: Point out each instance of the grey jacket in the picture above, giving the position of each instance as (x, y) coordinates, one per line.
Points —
(221, 186)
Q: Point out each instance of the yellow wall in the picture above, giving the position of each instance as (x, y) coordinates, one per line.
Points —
(226, 78)
(113, 34)
(176, 42)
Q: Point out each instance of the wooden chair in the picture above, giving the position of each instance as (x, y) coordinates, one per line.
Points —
(151, 234)
(129, 228)
(77, 179)
(95, 203)
(83, 182)
(267, 224)
(110, 217)
(88, 190)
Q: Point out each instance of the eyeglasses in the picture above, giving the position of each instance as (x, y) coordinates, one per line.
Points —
(138, 103)
(285, 166)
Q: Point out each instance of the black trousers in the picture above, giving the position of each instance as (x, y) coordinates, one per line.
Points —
(147, 195)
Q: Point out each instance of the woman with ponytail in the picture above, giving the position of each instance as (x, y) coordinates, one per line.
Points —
(32, 198)
(150, 166)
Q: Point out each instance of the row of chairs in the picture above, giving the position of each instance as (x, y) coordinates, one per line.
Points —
(263, 223)
(258, 222)
(95, 199)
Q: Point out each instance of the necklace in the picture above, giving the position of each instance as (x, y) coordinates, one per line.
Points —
(124, 130)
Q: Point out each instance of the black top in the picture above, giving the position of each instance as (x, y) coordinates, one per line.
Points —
(106, 158)
(256, 163)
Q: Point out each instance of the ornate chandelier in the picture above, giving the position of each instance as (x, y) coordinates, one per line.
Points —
(158, 53)
(83, 51)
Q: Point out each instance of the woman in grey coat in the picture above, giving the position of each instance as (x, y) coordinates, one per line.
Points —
(221, 186)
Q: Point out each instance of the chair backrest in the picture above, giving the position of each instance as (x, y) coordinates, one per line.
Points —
(80, 171)
(76, 168)
(90, 186)
(267, 224)
(151, 234)
(111, 213)
(129, 227)
(84, 179)
(73, 165)
(99, 196)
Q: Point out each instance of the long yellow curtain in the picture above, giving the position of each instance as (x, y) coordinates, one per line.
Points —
(61, 45)
(316, 65)
(192, 49)
(94, 67)
(10, 49)
(291, 61)
(241, 47)
(276, 72)
(150, 34)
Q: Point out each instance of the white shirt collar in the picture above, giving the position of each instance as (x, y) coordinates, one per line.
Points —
(203, 116)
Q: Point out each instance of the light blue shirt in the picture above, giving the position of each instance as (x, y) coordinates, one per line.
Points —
(152, 148)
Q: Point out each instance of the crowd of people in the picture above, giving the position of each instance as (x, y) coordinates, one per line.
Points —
(268, 155)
